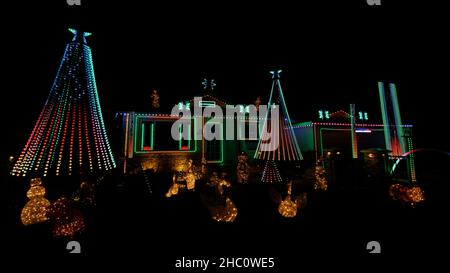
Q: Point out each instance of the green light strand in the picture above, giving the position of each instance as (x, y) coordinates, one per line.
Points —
(387, 136)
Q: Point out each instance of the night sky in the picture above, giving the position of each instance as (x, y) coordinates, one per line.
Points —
(332, 54)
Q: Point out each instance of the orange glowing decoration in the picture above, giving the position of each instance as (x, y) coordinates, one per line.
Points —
(189, 175)
(222, 209)
(155, 99)
(411, 195)
(68, 221)
(173, 190)
(320, 181)
(35, 211)
(288, 208)
(228, 214)
(415, 194)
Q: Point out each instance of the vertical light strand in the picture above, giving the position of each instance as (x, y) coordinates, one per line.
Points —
(72, 136)
(38, 144)
(353, 132)
(29, 148)
(109, 159)
(26, 161)
(384, 114)
(47, 151)
(63, 97)
(412, 167)
(142, 136)
(125, 148)
(92, 108)
(80, 138)
(297, 147)
(180, 137)
(43, 151)
(103, 139)
(285, 145)
(47, 112)
(63, 141)
(290, 142)
(152, 136)
(54, 137)
(86, 134)
(397, 118)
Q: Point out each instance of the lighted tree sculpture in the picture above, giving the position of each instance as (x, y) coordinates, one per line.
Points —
(271, 173)
(288, 149)
(70, 134)
(35, 210)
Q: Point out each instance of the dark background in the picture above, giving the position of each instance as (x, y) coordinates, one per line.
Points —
(332, 54)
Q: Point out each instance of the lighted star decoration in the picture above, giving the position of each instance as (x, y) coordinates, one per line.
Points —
(211, 83)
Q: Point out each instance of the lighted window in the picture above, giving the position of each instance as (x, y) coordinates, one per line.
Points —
(185, 144)
(155, 135)
(144, 136)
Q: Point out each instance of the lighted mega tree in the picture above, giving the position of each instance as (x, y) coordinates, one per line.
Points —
(288, 149)
(69, 136)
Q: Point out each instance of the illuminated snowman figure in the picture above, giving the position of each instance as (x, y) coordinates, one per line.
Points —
(35, 210)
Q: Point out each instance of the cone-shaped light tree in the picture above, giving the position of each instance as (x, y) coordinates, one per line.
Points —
(69, 136)
(286, 148)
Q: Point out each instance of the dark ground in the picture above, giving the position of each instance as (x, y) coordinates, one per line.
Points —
(128, 221)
